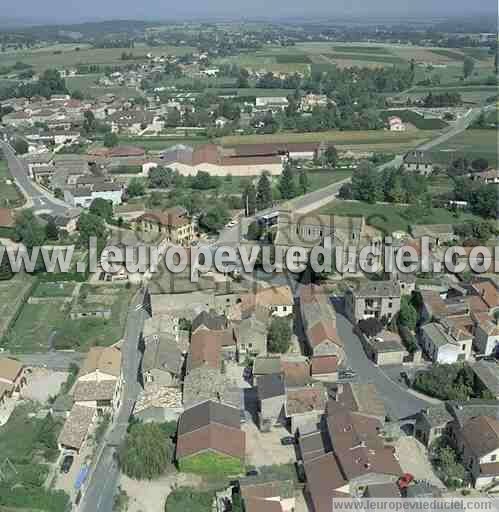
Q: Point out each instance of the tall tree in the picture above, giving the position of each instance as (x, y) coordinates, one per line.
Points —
(102, 208)
(279, 335)
(249, 199)
(303, 181)
(5, 268)
(331, 156)
(468, 67)
(264, 193)
(110, 140)
(287, 185)
(51, 230)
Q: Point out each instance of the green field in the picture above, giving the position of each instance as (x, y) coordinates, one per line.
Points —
(360, 49)
(67, 56)
(408, 116)
(381, 59)
(63, 289)
(392, 217)
(471, 143)
(87, 85)
(322, 178)
(470, 94)
(450, 54)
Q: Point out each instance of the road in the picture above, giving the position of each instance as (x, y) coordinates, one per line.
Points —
(54, 360)
(99, 496)
(38, 199)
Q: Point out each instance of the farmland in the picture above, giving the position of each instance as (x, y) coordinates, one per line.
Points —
(69, 55)
(10, 196)
(382, 141)
(471, 143)
(11, 294)
(87, 84)
(469, 93)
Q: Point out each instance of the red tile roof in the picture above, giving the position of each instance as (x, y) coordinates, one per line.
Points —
(324, 365)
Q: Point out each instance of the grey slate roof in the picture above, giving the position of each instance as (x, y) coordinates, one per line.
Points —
(207, 413)
(378, 289)
(270, 386)
(488, 373)
(162, 353)
(437, 335)
(437, 415)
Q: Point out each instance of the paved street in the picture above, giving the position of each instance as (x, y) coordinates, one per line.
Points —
(56, 361)
(40, 201)
(99, 496)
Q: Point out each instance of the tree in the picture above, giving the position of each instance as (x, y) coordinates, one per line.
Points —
(5, 268)
(303, 181)
(51, 230)
(136, 188)
(263, 193)
(468, 67)
(146, 452)
(331, 156)
(287, 184)
(408, 316)
(161, 177)
(279, 335)
(214, 219)
(110, 140)
(28, 229)
(249, 199)
(370, 327)
(366, 183)
(480, 164)
(89, 122)
(20, 146)
(184, 499)
(255, 231)
(77, 95)
(102, 208)
(449, 469)
(345, 191)
(90, 225)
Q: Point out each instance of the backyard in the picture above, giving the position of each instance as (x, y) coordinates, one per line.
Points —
(393, 217)
(10, 196)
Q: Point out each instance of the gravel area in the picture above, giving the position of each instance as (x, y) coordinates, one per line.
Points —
(42, 384)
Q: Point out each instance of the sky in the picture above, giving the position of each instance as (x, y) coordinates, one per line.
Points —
(74, 10)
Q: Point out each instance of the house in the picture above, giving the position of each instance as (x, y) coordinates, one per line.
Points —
(311, 101)
(83, 196)
(100, 380)
(374, 299)
(296, 371)
(267, 495)
(271, 398)
(486, 377)
(271, 103)
(319, 324)
(385, 349)
(76, 428)
(210, 431)
(277, 300)
(486, 339)
(178, 228)
(446, 343)
(304, 406)
(162, 361)
(432, 423)
(363, 399)
(478, 444)
(12, 379)
(324, 368)
(488, 177)
(221, 122)
(395, 124)
(251, 333)
(270, 365)
(419, 162)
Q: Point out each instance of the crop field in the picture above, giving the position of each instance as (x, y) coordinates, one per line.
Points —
(392, 217)
(378, 49)
(471, 143)
(87, 84)
(68, 56)
(11, 293)
(374, 140)
(476, 94)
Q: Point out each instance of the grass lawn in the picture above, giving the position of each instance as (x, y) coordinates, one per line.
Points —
(470, 143)
(11, 293)
(409, 116)
(34, 328)
(322, 178)
(440, 185)
(392, 217)
(10, 196)
(212, 465)
(476, 94)
(53, 289)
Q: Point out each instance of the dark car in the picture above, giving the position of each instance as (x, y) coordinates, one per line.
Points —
(405, 378)
(252, 472)
(67, 462)
(247, 373)
(288, 440)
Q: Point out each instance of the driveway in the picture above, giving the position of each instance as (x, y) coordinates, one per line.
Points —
(413, 458)
(265, 449)
(43, 384)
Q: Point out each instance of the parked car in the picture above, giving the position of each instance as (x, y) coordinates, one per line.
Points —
(288, 440)
(67, 462)
(405, 378)
(252, 472)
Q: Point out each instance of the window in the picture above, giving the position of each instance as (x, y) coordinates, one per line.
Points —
(390, 305)
(493, 458)
(463, 347)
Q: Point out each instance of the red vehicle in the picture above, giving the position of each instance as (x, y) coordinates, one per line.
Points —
(404, 481)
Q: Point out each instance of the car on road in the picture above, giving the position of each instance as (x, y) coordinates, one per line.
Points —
(67, 462)
(247, 373)
(347, 374)
(252, 472)
(405, 378)
(287, 441)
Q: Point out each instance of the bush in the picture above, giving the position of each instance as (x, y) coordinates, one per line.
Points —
(279, 335)
(187, 499)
